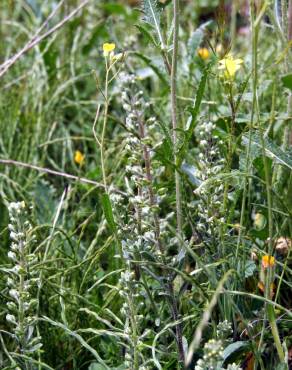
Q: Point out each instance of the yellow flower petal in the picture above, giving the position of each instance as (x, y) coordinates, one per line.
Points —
(203, 53)
(79, 157)
(230, 66)
(108, 48)
(268, 261)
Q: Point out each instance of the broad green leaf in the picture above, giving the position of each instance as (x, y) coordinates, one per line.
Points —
(287, 81)
(108, 212)
(272, 150)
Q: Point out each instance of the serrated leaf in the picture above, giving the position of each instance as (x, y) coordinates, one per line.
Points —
(152, 16)
(287, 81)
(108, 212)
(272, 150)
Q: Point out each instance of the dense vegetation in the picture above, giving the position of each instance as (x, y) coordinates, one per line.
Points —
(145, 184)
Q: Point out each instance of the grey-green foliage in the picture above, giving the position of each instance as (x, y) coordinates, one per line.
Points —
(22, 278)
(152, 16)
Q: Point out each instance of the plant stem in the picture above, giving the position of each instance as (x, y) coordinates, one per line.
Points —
(102, 159)
(275, 332)
(173, 86)
(287, 131)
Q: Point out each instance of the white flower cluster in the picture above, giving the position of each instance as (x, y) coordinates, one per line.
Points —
(21, 278)
(213, 357)
(224, 329)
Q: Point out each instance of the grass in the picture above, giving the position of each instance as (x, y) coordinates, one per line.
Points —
(145, 192)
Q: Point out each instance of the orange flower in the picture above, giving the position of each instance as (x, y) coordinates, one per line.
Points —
(268, 261)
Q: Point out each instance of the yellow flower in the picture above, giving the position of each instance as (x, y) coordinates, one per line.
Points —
(203, 53)
(268, 261)
(108, 48)
(230, 66)
(79, 157)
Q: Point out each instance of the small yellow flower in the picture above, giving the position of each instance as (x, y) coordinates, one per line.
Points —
(204, 53)
(79, 157)
(268, 261)
(108, 48)
(230, 66)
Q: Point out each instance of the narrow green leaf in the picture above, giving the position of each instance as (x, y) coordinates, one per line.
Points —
(78, 338)
(108, 212)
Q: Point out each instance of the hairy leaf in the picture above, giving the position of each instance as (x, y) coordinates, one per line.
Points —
(152, 16)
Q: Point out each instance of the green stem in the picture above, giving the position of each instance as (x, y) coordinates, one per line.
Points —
(275, 332)
(105, 117)
(173, 86)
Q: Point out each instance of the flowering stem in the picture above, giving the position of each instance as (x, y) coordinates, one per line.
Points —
(173, 87)
(153, 204)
